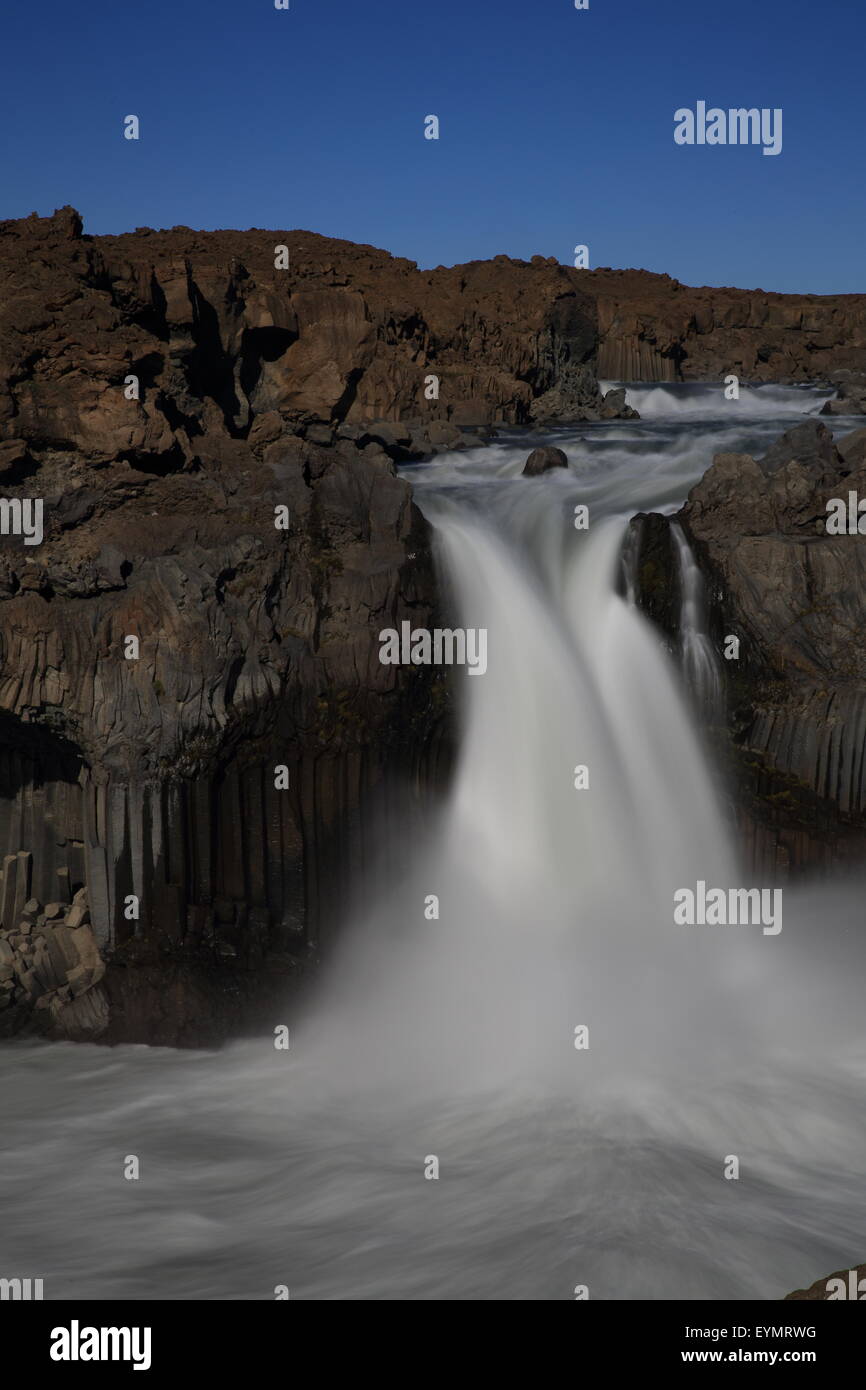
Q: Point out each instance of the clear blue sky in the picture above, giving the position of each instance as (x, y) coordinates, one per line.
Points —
(556, 127)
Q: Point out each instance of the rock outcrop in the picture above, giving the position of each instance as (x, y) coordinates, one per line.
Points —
(344, 335)
(794, 596)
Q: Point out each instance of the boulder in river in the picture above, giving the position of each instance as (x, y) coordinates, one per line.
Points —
(543, 460)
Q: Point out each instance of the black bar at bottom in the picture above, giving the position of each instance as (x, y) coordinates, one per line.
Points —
(151, 1339)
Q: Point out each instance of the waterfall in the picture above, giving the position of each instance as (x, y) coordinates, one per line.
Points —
(554, 897)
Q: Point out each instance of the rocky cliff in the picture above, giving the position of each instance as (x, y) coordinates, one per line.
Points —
(230, 327)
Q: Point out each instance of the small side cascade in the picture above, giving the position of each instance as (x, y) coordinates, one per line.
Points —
(700, 663)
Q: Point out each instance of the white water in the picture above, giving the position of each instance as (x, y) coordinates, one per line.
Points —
(455, 1037)
(705, 401)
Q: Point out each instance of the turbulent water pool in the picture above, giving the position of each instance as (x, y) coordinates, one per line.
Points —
(449, 1042)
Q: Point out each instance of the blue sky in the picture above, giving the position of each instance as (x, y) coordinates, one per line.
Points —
(556, 127)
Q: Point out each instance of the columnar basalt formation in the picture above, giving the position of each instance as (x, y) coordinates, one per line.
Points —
(794, 595)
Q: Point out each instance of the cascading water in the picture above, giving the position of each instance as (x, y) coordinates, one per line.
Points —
(453, 1035)
(699, 659)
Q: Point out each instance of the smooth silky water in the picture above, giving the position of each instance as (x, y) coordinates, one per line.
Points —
(454, 1037)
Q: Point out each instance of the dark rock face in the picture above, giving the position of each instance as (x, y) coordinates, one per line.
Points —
(796, 598)
(543, 460)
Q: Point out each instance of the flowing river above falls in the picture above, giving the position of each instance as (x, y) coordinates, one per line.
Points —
(454, 1038)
